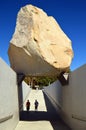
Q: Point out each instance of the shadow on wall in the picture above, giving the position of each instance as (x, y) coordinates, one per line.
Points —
(20, 97)
(56, 122)
(20, 78)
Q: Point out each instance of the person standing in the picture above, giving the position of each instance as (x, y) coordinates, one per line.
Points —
(36, 105)
(28, 105)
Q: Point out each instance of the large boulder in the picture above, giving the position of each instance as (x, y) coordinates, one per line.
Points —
(39, 47)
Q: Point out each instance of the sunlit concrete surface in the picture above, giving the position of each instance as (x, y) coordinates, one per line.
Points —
(36, 125)
(36, 94)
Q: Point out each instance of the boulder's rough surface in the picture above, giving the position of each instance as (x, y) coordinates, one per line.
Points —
(39, 47)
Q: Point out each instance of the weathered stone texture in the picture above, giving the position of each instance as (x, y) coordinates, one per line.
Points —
(39, 46)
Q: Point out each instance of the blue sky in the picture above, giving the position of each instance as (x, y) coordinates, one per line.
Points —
(70, 14)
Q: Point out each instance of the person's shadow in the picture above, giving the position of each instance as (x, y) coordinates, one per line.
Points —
(36, 115)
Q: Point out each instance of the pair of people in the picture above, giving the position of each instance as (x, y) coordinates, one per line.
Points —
(36, 103)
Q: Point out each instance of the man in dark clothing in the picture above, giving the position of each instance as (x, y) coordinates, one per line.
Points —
(28, 105)
(36, 104)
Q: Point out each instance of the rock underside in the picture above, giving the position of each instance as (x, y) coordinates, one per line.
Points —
(39, 47)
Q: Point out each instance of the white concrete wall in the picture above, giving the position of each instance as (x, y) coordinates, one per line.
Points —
(54, 91)
(23, 92)
(26, 90)
(8, 97)
(72, 99)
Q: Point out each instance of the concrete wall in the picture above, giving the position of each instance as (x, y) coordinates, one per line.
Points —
(26, 90)
(8, 98)
(72, 99)
(54, 91)
(23, 92)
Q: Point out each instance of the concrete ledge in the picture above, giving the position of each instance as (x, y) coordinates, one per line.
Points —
(6, 118)
(79, 117)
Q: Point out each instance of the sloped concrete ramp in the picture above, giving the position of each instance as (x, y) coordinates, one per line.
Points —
(46, 118)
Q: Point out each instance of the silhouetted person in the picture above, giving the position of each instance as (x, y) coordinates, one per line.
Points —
(36, 104)
(28, 105)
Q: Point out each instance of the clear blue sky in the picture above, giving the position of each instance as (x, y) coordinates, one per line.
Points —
(70, 14)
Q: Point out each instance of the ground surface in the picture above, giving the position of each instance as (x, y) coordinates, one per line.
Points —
(45, 118)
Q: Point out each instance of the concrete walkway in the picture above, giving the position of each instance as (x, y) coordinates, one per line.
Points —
(36, 94)
(45, 118)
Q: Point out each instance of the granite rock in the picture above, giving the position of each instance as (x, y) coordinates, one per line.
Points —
(38, 46)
